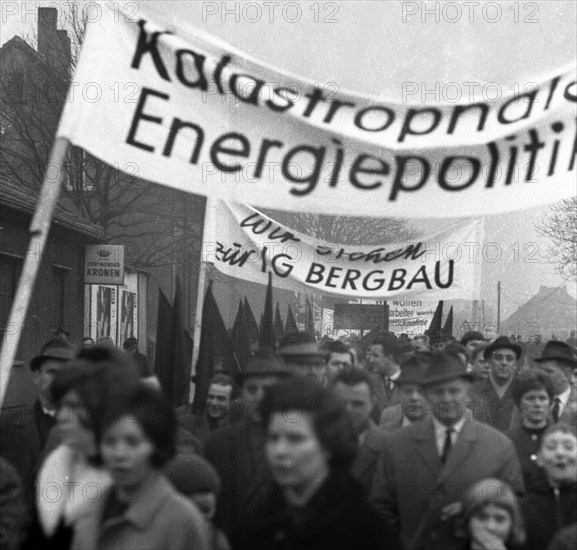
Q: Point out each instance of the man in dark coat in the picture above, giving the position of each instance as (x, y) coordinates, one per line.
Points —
(353, 387)
(496, 391)
(425, 467)
(383, 364)
(24, 429)
(237, 451)
(412, 406)
(558, 361)
(221, 392)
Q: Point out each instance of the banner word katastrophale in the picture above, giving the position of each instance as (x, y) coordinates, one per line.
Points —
(206, 118)
(246, 244)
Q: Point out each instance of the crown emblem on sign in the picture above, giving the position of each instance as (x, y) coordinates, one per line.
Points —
(104, 253)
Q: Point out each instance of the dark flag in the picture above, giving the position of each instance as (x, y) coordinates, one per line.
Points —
(291, 329)
(387, 316)
(214, 345)
(240, 344)
(278, 324)
(251, 326)
(448, 326)
(266, 338)
(164, 353)
(435, 330)
(309, 320)
(182, 359)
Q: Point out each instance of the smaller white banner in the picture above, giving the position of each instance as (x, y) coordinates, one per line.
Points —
(244, 243)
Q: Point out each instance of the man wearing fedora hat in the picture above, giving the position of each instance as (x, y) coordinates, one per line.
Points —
(24, 429)
(412, 406)
(237, 451)
(425, 467)
(559, 361)
(303, 356)
(496, 391)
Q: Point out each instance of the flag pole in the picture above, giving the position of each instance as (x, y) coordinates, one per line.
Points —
(207, 237)
(39, 228)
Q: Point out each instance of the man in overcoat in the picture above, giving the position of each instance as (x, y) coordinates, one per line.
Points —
(237, 451)
(353, 387)
(558, 361)
(426, 467)
(24, 429)
(496, 391)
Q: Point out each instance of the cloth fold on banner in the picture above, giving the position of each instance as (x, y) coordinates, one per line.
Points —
(248, 245)
(170, 104)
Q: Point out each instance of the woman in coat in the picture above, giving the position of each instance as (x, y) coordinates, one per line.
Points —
(141, 511)
(533, 394)
(81, 390)
(315, 502)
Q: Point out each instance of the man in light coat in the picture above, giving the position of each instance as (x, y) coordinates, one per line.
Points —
(425, 468)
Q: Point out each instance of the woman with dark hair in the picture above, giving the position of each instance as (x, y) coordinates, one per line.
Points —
(315, 503)
(81, 390)
(141, 509)
(533, 395)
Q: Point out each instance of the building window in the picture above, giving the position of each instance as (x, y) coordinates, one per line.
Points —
(10, 268)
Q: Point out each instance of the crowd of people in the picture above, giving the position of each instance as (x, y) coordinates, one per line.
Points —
(400, 444)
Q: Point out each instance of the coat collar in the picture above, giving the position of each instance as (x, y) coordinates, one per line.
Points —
(369, 450)
(461, 451)
(146, 503)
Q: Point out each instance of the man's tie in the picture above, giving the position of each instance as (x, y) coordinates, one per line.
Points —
(556, 409)
(447, 445)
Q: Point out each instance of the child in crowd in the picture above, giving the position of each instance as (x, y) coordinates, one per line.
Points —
(554, 507)
(196, 479)
(492, 517)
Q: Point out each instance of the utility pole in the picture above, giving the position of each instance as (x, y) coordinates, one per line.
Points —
(498, 307)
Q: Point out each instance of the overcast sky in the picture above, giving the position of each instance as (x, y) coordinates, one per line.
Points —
(376, 47)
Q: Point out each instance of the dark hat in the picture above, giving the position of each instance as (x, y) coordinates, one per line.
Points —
(472, 335)
(190, 473)
(413, 369)
(59, 349)
(502, 342)
(301, 345)
(263, 365)
(444, 367)
(130, 342)
(558, 351)
(305, 349)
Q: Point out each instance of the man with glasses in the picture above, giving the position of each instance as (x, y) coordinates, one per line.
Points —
(495, 391)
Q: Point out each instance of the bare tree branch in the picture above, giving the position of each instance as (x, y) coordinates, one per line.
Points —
(560, 225)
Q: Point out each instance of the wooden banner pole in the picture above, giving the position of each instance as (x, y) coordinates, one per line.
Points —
(39, 228)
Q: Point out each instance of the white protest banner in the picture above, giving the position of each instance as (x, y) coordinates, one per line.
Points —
(410, 316)
(191, 112)
(248, 245)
